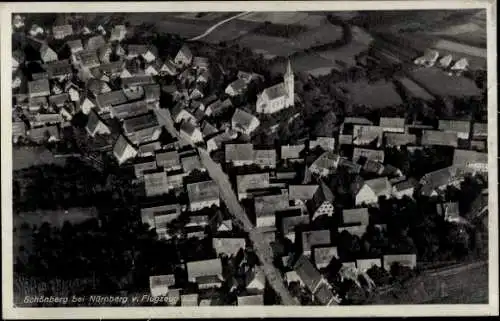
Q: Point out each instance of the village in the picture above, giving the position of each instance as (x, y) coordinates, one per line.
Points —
(312, 201)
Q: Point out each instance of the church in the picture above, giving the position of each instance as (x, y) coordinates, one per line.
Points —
(279, 96)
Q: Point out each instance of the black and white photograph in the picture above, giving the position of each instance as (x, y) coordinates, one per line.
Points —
(229, 155)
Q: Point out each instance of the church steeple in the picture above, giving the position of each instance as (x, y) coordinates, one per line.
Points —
(289, 82)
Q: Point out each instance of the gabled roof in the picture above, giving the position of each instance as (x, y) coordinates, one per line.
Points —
(93, 121)
(252, 181)
(463, 157)
(239, 152)
(137, 123)
(188, 128)
(440, 138)
(255, 300)
(197, 269)
(371, 154)
(242, 119)
(95, 42)
(267, 205)
(275, 91)
(111, 98)
(315, 237)
(309, 275)
(323, 255)
(302, 192)
(38, 86)
(75, 45)
(379, 185)
(291, 151)
(458, 126)
(399, 139)
(392, 122)
(356, 216)
(202, 191)
(407, 184)
(228, 245)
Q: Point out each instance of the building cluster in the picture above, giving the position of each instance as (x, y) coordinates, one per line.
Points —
(431, 58)
(117, 87)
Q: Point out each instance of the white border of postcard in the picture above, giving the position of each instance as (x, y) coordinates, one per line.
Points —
(10, 312)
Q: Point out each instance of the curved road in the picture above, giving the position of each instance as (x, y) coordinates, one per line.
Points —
(217, 25)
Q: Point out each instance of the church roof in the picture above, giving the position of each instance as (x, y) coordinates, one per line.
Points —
(275, 91)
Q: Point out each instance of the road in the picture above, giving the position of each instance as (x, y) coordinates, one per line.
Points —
(261, 246)
(217, 25)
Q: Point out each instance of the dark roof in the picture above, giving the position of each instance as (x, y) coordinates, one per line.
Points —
(307, 272)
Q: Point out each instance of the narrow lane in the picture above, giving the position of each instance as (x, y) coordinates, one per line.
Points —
(217, 25)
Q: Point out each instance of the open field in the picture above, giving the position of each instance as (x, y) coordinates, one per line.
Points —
(346, 54)
(276, 17)
(269, 46)
(376, 95)
(202, 16)
(438, 83)
(231, 31)
(312, 64)
(460, 48)
(24, 157)
(327, 33)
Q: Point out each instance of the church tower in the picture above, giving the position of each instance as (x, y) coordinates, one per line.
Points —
(289, 82)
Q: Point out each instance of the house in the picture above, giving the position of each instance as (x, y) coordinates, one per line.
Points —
(265, 158)
(38, 88)
(203, 77)
(196, 92)
(118, 33)
(246, 183)
(290, 223)
(314, 281)
(229, 246)
(154, 68)
(59, 100)
(87, 59)
(123, 150)
(152, 93)
(137, 81)
(292, 152)
(252, 300)
(244, 122)
(123, 111)
(218, 107)
(201, 63)
(365, 135)
(104, 53)
(255, 280)
(364, 265)
(184, 56)
(470, 160)
(323, 255)
(397, 140)
(404, 188)
(113, 98)
(461, 128)
(189, 299)
(101, 30)
(36, 30)
(159, 284)
(18, 21)
(248, 77)
(197, 270)
(480, 131)
(309, 239)
(428, 59)
(168, 68)
(225, 226)
(326, 143)
(367, 154)
(239, 154)
(168, 160)
(356, 230)
(460, 65)
(351, 121)
(18, 58)
(438, 180)
(142, 128)
(445, 61)
(60, 71)
(149, 149)
(408, 260)
(62, 31)
(150, 54)
(43, 119)
(191, 132)
(85, 30)
(41, 135)
(358, 216)
(94, 43)
(191, 162)
(18, 130)
(216, 142)
(95, 126)
(392, 124)
(371, 190)
(202, 195)
(439, 138)
(144, 165)
(156, 183)
(277, 97)
(36, 103)
(180, 114)
(266, 207)
(18, 79)
(321, 203)
(325, 164)
(300, 194)
(236, 88)
(47, 54)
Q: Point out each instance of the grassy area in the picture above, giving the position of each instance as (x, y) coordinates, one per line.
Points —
(438, 83)
(25, 157)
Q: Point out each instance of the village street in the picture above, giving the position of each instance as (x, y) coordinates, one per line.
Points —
(261, 246)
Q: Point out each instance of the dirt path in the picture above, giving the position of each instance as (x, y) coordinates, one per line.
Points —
(217, 25)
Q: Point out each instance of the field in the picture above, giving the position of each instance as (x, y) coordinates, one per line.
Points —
(24, 157)
(327, 33)
(438, 83)
(269, 46)
(276, 17)
(460, 48)
(312, 64)
(346, 54)
(377, 95)
(231, 31)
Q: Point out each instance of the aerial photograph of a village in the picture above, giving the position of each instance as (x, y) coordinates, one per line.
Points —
(249, 158)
